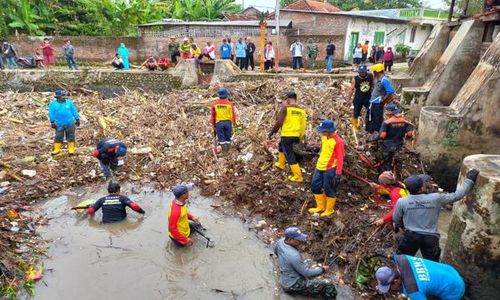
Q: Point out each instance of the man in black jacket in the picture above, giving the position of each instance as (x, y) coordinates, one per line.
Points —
(110, 153)
(250, 51)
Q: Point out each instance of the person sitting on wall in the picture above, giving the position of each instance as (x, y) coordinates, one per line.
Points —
(208, 51)
(150, 63)
(164, 63)
(117, 62)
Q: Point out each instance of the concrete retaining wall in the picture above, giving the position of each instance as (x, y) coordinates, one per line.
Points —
(473, 244)
(105, 81)
(470, 125)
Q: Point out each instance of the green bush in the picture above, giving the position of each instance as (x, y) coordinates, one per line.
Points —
(403, 49)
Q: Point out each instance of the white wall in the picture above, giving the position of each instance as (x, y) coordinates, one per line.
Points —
(395, 33)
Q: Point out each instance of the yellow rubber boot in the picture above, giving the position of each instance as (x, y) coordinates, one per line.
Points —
(330, 204)
(320, 204)
(57, 149)
(71, 147)
(355, 123)
(297, 173)
(281, 161)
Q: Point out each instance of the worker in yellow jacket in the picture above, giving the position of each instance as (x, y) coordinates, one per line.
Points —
(292, 121)
(326, 177)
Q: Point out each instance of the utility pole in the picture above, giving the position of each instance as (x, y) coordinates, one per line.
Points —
(276, 49)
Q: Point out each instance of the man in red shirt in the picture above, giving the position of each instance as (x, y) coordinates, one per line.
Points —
(179, 227)
(395, 189)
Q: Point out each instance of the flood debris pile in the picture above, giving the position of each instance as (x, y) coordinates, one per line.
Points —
(170, 141)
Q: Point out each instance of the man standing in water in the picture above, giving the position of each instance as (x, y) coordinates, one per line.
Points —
(296, 277)
(113, 205)
(179, 227)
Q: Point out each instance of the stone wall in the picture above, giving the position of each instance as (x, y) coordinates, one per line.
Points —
(107, 81)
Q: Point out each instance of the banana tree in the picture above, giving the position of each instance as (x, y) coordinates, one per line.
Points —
(25, 19)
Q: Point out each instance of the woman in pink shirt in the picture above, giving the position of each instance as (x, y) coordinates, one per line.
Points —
(48, 53)
(388, 59)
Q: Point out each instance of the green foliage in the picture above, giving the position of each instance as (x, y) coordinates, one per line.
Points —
(102, 17)
(474, 6)
(284, 3)
(374, 4)
(8, 293)
(403, 49)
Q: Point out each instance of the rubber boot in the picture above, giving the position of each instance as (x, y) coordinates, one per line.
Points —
(281, 161)
(71, 147)
(57, 149)
(355, 123)
(320, 204)
(330, 204)
(297, 173)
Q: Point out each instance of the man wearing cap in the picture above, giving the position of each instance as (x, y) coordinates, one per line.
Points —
(63, 117)
(114, 205)
(394, 130)
(326, 177)
(179, 227)
(223, 118)
(292, 122)
(418, 213)
(421, 278)
(382, 93)
(388, 185)
(173, 49)
(361, 87)
(296, 277)
(110, 153)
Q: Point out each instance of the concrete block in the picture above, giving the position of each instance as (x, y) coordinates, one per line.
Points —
(187, 70)
(225, 70)
(400, 81)
(412, 101)
(428, 56)
(473, 244)
(456, 64)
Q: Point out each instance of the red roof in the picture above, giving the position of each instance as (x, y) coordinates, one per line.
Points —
(242, 17)
(312, 6)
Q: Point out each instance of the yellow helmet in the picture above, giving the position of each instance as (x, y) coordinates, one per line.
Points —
(377, 68)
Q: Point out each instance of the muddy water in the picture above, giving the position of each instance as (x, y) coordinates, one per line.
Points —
(135, 259)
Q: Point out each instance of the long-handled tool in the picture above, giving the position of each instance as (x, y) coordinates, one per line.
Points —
(378, 199)
(199, 229)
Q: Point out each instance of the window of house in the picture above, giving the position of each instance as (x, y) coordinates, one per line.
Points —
(379, 38)
(413, 34)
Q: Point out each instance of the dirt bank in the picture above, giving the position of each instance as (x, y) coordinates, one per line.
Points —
(170, 140)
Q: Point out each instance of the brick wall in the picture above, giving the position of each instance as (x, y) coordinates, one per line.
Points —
(102, 49)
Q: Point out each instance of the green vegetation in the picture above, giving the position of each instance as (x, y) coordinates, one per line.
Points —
(102, 17)
(367, 4)
(403, 49)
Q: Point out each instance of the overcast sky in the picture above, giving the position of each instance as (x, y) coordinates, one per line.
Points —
(268, 4)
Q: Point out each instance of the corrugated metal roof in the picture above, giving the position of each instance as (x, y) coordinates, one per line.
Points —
(380, 18)
(270, 23)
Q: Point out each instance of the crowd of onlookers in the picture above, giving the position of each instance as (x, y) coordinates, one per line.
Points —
(241, 52)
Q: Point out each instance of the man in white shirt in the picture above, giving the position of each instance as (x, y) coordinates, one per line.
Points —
(296, 49)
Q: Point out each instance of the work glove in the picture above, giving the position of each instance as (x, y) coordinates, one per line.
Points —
(77, 123)
(53, 125)
(472, 175)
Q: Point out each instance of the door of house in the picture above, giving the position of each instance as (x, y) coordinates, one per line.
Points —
(379, 38)
(352, 43)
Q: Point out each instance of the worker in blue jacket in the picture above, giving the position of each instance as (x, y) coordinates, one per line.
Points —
(110, 152)
(421, 278)
(63, 117)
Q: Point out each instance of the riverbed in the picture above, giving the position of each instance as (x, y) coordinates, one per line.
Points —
(135, 259)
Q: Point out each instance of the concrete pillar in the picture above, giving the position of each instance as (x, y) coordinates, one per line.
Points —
(225, 70)
(451, 70)
(426, 59)
(187, 70)
(473, 244)
(412, 100)
(471, 124)
(456, 64)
